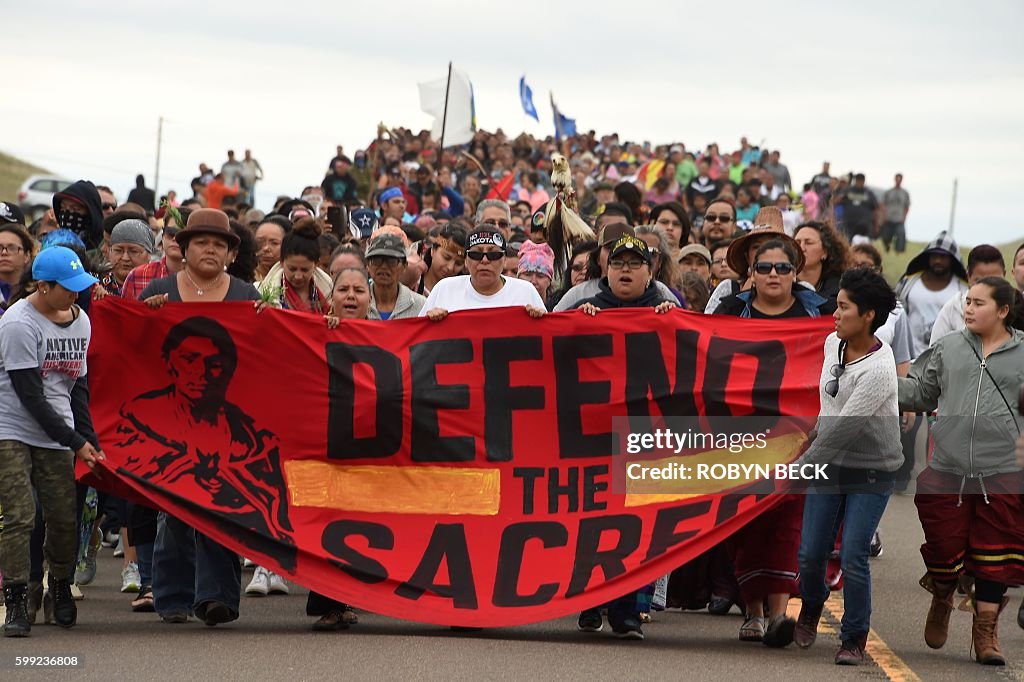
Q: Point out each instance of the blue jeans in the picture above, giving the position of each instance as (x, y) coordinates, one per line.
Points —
(858, 514)
(144, 550)
(190, 570)
(626, 607)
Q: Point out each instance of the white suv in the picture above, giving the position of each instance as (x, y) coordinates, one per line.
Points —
(36, 194)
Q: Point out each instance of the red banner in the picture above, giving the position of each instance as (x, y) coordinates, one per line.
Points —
(457, 472)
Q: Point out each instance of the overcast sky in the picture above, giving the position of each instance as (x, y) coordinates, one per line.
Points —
(932, 89)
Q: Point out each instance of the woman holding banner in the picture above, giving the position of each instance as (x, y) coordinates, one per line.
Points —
(629, 284)
(350, 300)
(44, 425)
(191, 572)
(485, 286)
(765, 551)
(969, 497)
(858, 436)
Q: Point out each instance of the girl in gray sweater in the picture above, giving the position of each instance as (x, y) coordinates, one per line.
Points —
(858, 437)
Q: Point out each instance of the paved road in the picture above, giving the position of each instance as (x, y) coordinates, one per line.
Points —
(273, 641)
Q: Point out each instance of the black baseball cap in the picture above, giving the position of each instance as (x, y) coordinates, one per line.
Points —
(628, 244)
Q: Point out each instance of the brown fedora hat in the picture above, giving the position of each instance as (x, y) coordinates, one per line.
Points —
(767, 223)
(208, 221)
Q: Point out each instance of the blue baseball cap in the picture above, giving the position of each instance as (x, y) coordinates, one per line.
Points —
(62, 265)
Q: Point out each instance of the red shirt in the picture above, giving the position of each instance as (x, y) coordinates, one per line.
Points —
(215, 193)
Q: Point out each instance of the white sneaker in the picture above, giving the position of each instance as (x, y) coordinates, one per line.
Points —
(260, 583)
(119, 549)
(277, 584)
(131, 581)
(248, 563)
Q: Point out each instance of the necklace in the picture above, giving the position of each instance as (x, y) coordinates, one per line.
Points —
(199, 290)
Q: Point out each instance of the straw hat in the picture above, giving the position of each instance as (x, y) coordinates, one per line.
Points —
(767, 223)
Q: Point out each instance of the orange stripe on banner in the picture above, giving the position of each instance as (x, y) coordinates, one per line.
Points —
(779, 450)
(394, 489)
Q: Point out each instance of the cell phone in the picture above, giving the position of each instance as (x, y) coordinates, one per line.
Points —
(337, 218)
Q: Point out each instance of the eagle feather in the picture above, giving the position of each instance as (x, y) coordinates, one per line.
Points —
(565, 228)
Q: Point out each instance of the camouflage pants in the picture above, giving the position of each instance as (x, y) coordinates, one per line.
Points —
(52, 474)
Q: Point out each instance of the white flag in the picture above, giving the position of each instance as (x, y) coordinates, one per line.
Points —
(461, 123)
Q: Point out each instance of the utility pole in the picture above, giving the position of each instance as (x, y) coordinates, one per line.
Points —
(159, 142)
(952, 210)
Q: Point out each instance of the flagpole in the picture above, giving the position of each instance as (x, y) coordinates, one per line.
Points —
(444, 118)
(558, 121)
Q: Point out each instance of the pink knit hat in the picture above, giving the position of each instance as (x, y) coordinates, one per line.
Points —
(535, 257)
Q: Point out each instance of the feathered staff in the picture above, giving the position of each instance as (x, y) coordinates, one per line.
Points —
(562, 223)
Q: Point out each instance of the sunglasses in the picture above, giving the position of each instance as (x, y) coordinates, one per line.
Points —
(489, 255)
(503, 224)
(109, 206)
(766, 268)
(712, 218)
(832, 387)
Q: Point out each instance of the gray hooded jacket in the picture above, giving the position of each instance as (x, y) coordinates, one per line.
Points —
(976, 427)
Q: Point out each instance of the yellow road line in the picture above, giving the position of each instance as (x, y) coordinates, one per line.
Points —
(885, 658)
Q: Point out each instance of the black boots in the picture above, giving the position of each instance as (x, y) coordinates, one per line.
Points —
(65, 612)
(16, 601)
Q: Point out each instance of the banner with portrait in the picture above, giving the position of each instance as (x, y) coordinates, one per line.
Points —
(464, 472)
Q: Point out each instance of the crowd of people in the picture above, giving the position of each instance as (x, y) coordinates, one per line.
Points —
(401, 231)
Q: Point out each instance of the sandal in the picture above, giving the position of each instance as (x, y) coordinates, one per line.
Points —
(349, 616)
(144, 602)
(752, 629)
(335, 620)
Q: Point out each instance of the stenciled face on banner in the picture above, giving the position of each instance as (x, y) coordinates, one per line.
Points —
(186, 437)
(479, 471)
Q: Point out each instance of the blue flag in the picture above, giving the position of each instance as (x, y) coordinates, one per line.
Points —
(564, 126)
(526, 98)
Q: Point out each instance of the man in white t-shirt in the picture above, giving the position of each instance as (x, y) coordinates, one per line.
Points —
(484, 287)
(984, 260)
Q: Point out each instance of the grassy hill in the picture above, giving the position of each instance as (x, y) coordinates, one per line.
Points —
(13, 172)
(894, 264)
